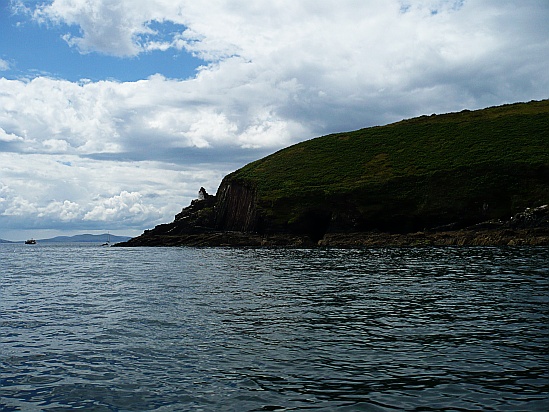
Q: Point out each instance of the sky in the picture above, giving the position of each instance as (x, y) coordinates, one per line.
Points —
(113, 113)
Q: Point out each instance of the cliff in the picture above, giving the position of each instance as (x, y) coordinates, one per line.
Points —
(459, 174)
(236, 207)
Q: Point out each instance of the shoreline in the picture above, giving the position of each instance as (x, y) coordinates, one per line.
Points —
(464, 237)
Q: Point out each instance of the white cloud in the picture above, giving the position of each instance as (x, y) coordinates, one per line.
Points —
(43, 110)
(64, 211)
(278, 72)
(69, 191)
(120, 28)
(125, 206)
(355, 52)
(9, 137)
(49, 115)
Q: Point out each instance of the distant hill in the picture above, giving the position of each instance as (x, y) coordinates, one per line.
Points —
(85, 238)
(5, 241)
(427, 173)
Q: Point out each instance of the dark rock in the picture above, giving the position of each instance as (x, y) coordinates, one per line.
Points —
(236, 207)
(211, 220)
(531, 217)
(508, 237)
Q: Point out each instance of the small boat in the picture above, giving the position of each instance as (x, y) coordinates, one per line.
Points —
(30, 242)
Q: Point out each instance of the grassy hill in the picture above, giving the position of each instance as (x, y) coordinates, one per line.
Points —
(458, 168)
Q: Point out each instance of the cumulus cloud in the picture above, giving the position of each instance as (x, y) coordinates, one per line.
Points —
(50, 115)
(295, 69)
(41, 191)
(63, 211)
(9, 137)
(107, 26)
(274, 73)
(125, 206)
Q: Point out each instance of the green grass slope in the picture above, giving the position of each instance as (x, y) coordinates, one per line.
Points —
(432, 170)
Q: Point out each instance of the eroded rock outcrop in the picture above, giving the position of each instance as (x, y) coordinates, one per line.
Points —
(236, 208)
(227, 218)
(196, 219)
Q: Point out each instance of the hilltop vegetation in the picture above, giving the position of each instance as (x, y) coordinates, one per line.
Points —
(419, 146)
(432, 173)
(424, 172)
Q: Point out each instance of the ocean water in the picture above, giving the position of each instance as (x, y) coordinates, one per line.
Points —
(221, 329)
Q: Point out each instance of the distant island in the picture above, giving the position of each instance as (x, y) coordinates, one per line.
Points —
(469, 178)
(85, 238)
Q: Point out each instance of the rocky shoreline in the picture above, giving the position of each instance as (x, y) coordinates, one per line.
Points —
(195, 226)
(529, 228)
(506, 237)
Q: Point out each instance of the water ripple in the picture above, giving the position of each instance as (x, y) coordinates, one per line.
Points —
(273, 329)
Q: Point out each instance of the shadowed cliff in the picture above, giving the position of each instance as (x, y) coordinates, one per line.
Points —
(430, 174)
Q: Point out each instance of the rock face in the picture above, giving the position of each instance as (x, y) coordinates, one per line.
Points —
(197, 218)
(236, 208)
(230, 218)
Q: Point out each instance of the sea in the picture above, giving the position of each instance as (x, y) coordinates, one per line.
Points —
(91, 328)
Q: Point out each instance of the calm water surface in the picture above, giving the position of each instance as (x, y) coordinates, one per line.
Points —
(175, 329)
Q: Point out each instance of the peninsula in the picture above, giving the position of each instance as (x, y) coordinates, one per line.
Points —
(469, 178)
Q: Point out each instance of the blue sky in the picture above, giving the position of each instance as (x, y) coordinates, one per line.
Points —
(32, 49)
(113, 113)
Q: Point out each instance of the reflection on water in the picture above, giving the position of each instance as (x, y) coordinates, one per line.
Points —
(274, 329)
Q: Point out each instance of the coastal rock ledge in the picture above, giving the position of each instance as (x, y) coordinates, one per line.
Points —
(200, 225)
